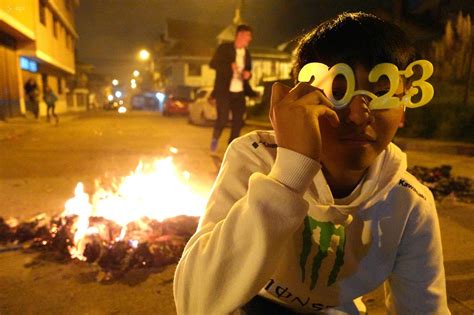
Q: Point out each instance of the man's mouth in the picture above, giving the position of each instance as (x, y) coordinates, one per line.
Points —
(360, 139)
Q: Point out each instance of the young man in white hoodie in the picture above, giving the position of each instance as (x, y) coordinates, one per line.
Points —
(309, 217)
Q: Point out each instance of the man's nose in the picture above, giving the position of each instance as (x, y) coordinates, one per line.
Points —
(358, 112)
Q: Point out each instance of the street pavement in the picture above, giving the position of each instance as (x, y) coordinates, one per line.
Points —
(41, 163)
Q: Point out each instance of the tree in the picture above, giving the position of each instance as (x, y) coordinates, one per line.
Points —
(451, 55)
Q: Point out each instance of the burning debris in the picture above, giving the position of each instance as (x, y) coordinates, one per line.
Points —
(142, 220)
(442, 184)
(147, 244)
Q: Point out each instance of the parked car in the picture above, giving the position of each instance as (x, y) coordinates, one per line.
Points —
(203, 111)
(175, 105)
(145, 101)
(113, 104)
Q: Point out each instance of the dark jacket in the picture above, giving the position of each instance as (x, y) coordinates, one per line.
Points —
(50, 98)
(222, 63)
(31, 90)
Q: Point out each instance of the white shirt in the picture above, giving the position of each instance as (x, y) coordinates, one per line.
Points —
(237, 84)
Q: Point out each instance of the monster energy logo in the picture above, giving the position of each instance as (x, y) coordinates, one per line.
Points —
(327, 230)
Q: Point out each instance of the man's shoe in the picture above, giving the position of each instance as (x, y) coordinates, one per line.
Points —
(213, 148)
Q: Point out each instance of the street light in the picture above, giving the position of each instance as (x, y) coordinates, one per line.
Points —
(144, 54)
(133, 83)
(136, 73)
(115, 82)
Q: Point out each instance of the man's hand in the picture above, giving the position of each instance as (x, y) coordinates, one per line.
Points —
(246, 75)
(295, 114)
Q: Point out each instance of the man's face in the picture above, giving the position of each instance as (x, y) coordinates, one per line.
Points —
(362, 134)
(243, 39)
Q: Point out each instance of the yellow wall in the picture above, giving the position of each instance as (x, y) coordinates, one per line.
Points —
(20, 19)
(19, 15)
(61, 6)
(53, 49)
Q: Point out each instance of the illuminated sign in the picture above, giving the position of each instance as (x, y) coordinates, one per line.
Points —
(28, 65)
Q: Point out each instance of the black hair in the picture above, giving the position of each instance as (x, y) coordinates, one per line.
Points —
(243, 28)
(354, 38)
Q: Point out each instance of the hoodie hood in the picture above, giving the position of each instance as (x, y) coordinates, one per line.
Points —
(381, 176)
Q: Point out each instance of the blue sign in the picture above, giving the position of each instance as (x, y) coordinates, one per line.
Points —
(28, 65)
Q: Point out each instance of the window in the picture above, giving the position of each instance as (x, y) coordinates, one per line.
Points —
(194, 69)
(55, 27)
(60, 86)
(68, 40)
(42, 12)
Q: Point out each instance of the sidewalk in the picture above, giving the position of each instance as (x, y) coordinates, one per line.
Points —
(16, 127)
(424, 145)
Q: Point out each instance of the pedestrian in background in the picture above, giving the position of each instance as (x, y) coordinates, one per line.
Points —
(50, 99)
(233, 65)
(32, 97)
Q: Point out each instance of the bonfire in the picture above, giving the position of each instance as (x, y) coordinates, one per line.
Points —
(142, 220)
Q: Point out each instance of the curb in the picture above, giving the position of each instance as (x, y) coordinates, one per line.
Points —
(435, 146)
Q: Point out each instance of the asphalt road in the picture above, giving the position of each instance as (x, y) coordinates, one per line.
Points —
(41, 164)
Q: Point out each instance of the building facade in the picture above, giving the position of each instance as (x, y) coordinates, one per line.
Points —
(37, 40)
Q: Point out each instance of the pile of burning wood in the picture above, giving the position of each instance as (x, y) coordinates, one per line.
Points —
(146, 243)
(442, 184)
(141, 220)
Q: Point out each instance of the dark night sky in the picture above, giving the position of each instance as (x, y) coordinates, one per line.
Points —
(111, 32)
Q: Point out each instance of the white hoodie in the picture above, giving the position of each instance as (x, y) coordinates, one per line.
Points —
(272, 228)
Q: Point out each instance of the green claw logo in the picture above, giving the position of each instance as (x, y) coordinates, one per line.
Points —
(327, 230)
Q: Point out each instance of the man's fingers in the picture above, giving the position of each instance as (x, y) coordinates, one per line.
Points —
(316, 97)
(331, 116)
(323, 111)
(279, 91)
(300, 90)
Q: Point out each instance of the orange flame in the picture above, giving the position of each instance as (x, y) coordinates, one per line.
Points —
(157, 191)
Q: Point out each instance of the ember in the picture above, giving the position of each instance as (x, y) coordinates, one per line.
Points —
(144, 220)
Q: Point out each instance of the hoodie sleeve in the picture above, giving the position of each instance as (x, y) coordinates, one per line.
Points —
(417, 284)
(248, 219)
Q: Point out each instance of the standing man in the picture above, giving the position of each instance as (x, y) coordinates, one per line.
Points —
(233, 66)
(32, 97)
